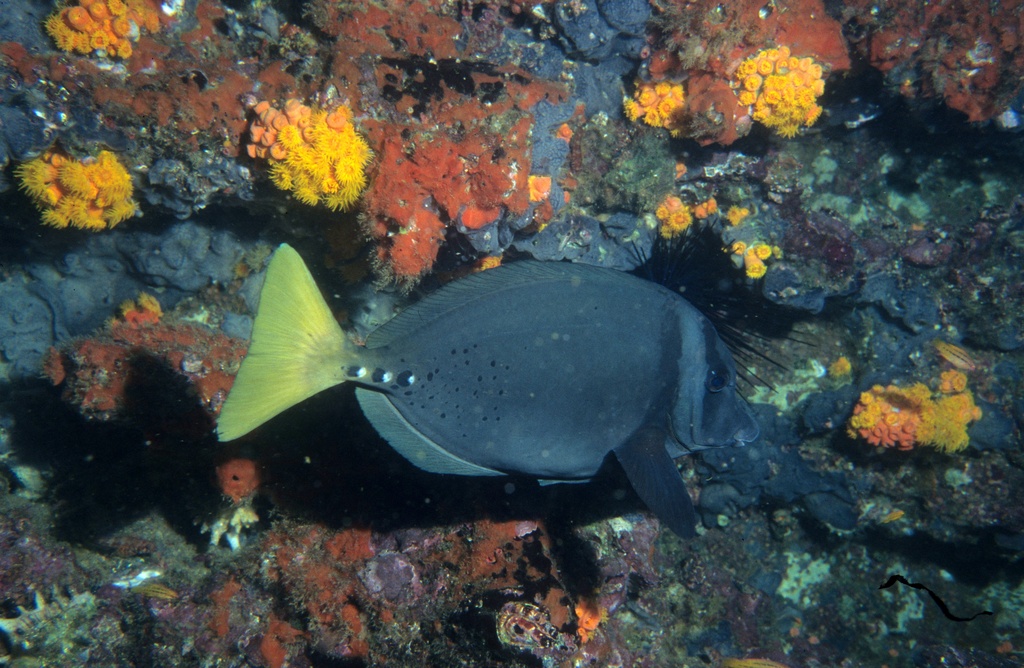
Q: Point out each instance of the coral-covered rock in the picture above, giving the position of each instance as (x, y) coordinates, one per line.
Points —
(97, 372)
(708, 41)
(904, 417)
(975, 67)
(105, 26)
(435, 182)
(364, 590)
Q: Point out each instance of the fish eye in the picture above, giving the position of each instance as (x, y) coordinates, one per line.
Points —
(716, 380)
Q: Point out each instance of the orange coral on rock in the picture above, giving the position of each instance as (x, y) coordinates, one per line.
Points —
(540, 188)
(781, 88)
(589, 615)
(435, 181)
(705, 208)
(904, 417)
(315, 154)
(889, 416)
(706, 52)
(841, 368)
(105, 26)
(90, 194)
(975, 67)
(661, 105)
(238, 478)
(675, 216)
(754, 257)
(98, 372)
(144, 310)
(736, 215)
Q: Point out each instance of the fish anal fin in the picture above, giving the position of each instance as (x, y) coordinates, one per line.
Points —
(656, 480)
(410, 443)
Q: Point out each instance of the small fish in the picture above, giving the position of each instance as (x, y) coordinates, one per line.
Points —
(751, 663)
(539, 369)
(955, 355)
(156, 590)
(893, 516)
(140, 578)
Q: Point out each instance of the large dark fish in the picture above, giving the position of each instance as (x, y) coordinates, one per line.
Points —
(538, 369)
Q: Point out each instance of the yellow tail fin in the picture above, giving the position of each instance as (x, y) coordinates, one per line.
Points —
(297, 349)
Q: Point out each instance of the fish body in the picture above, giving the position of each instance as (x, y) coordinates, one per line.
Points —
(534, 369)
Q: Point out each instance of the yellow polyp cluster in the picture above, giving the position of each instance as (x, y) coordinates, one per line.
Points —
(675, 216)
(736, 215)
(782, 89)
(754, 257)
(706, 208)
(539, 186)
(951, 382)
(945, 427)
(904, 417)
(144, 310)
(91, 194)
(589, 615)
(104, 26)
(659, 104)
(889, 416)
(314, 153)
(840, 368)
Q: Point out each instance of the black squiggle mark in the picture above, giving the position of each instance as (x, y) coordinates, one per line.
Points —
(893, 579)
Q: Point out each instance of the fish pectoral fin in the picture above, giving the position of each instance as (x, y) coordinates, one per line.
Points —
(656, 480)
(421, 451)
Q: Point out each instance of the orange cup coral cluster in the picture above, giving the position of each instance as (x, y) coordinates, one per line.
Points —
(675, 216)
(782, 89)
(315, 154)
(659, 104)
(140, 312)
(895, 417)
(754, 257)
(737, 214)
(91, 194)
(706, 208)
(104, 26)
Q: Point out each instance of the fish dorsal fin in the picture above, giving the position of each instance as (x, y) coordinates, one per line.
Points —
(480, 285)
(409, 442)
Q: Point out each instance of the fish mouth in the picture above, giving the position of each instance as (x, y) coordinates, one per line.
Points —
(747, 431)
(747, 434)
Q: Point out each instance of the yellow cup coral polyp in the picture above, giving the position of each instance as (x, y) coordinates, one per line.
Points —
(106, 26)
(675, 216)
(658, 104)
(316, 154)
(899, 417)
(91, 194)
(782, 89)
(540, 187)
(754, 257)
